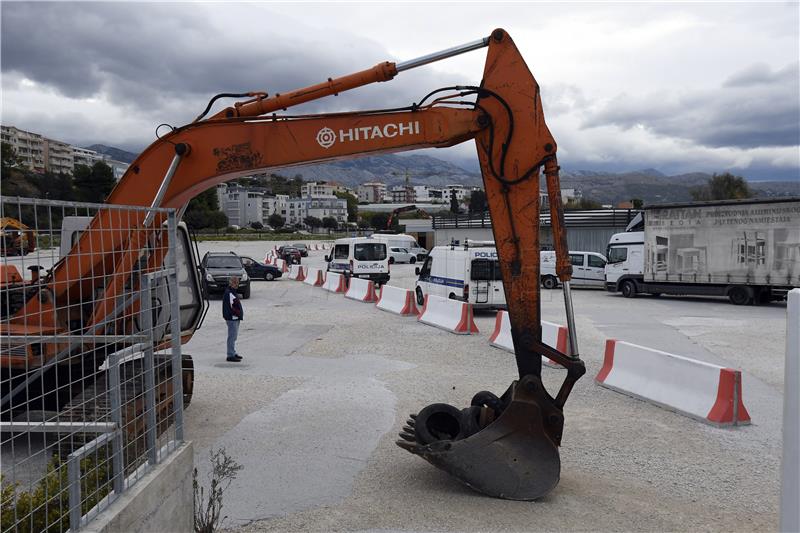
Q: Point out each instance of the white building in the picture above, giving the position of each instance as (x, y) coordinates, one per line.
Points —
(242, 206)
(372, 192)
(318, 188)
(428, 194)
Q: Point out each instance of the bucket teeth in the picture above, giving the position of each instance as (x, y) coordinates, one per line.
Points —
(406, 445)
(408, 429)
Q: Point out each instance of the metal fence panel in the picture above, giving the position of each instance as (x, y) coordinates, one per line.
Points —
(90, 372)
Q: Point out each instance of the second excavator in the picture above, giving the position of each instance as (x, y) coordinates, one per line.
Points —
(502, 445)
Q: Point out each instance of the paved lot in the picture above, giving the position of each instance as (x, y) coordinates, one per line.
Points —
(313, 410)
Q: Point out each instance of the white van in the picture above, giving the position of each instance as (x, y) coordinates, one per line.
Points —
(470, 273)
(401, 240)
(588, 269)
(361, 257)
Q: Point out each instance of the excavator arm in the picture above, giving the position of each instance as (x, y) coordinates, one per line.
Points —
(507, 445)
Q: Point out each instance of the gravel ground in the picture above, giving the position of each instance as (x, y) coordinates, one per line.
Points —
(313, 411)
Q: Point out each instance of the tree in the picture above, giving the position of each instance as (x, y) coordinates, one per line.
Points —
(582, 203)
(454, 204)
(257, 225)
(477, 202)
(352, 205)
(380, 220)
(638, 203)
(363, 223)
(724, 186)
(276, 221)
(203, 211)
(312, 222)
(95, 183)
(329, 223)
(9, 157)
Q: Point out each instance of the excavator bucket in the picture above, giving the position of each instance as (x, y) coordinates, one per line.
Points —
(503, 447)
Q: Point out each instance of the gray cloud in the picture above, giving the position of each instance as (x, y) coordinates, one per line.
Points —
(162, 59)
(753, 108)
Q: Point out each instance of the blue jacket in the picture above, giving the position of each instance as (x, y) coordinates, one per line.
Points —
(231, 306)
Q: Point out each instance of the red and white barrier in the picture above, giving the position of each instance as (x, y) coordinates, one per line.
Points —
(397, 300)
(362, 290)
(334, 283)
(297, 273)
(284, 267)
(314, 277)
(451, 315)
(553, 335)
(707, 392)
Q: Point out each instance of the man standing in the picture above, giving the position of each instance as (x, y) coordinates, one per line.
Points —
(233, 314)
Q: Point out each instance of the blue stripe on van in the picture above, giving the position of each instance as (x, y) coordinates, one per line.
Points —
(448, 282)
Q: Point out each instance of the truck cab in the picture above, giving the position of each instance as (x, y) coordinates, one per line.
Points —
(625, 267)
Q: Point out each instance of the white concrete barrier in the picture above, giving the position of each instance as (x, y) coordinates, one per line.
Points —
(362, 290)
(790, 464)
(397, 300)
(314, 277)
(553, 335)
(707, 392)
(334, 282)
(451, 315)
(281, 265)
(297, 273)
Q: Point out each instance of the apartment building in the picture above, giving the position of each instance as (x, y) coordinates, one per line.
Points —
(242, 206)
(38, 153)
(372, 192)
(28, 146)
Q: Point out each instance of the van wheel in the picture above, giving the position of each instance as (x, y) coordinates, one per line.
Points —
(628, 289)
(420, 297)
(412, 260)
(391, 260)
(739, 295)
(246, 293)
(549, 282)
(452, 296)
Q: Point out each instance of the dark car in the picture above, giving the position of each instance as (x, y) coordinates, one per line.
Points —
(258, 270)
(290, 254)
(303, 249)
(218, 267)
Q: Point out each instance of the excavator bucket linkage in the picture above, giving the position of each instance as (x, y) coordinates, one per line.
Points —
(507, 446)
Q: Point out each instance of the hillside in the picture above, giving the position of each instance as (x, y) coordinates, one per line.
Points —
(649, 184)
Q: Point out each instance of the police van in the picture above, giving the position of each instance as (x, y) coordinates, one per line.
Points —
(469, 272)
(360, 257)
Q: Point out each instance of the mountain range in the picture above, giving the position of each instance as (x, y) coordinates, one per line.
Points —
(649, 184)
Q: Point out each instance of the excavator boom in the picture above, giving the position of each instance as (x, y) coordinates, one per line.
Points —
(507, 445)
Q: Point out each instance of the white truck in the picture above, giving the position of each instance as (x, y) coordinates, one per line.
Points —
(747, 250)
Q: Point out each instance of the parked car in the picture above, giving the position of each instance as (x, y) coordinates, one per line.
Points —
(588, 269)
(303, 249)
(258, 270)
(290, 254)
(218, 268)
(401, 255)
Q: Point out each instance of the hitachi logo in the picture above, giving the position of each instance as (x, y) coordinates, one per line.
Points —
(326, 137)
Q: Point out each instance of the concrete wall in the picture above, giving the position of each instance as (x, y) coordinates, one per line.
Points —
(160, 501)
(583, 239)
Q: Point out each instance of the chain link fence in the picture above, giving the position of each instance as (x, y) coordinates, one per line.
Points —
(90, 355)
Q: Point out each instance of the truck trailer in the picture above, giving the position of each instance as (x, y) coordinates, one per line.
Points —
(745, 250)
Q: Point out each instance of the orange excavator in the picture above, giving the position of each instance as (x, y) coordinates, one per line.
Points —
(504, 446)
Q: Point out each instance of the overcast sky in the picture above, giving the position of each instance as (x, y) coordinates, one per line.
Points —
(678, 87)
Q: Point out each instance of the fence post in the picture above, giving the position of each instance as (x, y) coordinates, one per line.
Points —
(146, 321)
(115, 397)
(74, 477)
(175, 329)
(790, 463)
